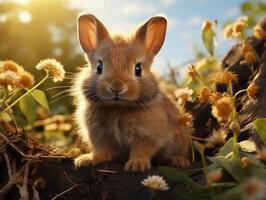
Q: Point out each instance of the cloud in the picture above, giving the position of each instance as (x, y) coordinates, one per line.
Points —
(136, 8)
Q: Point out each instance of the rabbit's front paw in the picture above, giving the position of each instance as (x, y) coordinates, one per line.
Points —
(179, 161)
(88, 159)
(138, 165)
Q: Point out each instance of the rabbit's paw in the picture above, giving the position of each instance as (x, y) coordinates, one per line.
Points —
(179, 161)
(88, 159)
(138, 165)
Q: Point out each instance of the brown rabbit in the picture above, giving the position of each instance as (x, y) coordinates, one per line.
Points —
(121, 111)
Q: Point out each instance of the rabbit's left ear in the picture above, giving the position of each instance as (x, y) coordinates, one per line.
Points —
(152, 34)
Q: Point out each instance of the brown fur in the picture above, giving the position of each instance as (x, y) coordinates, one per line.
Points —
(144, 122)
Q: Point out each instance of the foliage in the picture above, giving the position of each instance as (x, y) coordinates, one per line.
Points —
(238, 170)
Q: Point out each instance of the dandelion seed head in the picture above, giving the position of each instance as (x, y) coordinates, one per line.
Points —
(54, 67)
(9, 78)
(10, 65)
(183, 94)
(26, 80)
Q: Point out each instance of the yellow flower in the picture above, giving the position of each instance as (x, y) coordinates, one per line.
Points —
(238, 28)
(254, 189)
(213, 177)
(258, 32)
(223, 108)
(54, 67)
(205, 95)
(252, 90)
(217, 137)
(215, 97)
(9, 78)
(235, 29)
(224, 77)
(155, 182)
(228, 31)
(186, 119)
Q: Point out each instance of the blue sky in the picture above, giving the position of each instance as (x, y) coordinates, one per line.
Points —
(185, 19)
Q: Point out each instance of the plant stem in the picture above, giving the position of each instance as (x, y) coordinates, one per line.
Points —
(4, 96)
(26, 93)
(239, 92)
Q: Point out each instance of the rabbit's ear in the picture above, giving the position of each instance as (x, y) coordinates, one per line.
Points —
(152, 34)
(90, 32)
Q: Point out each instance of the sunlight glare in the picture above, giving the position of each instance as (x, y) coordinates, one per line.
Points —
(3, 18)
(23, 1)
(24, 17)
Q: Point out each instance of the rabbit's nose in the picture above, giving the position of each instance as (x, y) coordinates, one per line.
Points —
(116, 86)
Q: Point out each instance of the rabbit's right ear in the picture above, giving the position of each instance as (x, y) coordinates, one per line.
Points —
(90, 32)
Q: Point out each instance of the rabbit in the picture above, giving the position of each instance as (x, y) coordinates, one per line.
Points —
(121, 111)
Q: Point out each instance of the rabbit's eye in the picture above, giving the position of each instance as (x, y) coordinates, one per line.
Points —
(99, 67)
(138, 69)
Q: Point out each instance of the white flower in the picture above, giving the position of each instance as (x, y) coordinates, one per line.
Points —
(254, 189)
(183, 95)
(155, 182)
(217, 137)
(54, 67)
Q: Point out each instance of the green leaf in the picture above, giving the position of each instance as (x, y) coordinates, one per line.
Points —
(227, 148)
(208, 37)
(28, 107)
(40, 97)
(233, 193)
(260, 125)
(197, 195)
(5, 117)
(232, 166)
(179, 176)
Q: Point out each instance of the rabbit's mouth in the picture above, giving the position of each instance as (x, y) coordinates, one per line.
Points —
(116, 98)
